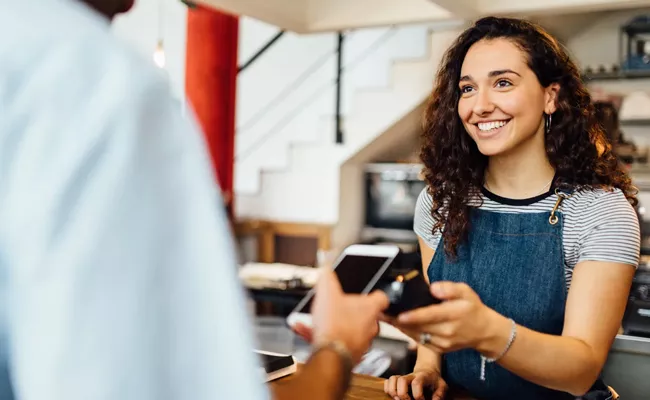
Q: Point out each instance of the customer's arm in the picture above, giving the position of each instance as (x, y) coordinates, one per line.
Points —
(344, 327)
(324, 377)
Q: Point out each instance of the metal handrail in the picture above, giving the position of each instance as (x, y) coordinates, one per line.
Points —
(315, 95)
(339, 86)
(261, 51)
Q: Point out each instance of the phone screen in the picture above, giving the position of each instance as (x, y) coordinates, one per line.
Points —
(354, 273)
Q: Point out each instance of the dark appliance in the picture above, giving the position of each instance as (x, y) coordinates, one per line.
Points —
(636, 320)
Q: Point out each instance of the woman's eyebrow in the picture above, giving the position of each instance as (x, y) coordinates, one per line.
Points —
(491, 74)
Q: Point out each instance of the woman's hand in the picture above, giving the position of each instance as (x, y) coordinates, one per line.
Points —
(420, 381)
(457, 323)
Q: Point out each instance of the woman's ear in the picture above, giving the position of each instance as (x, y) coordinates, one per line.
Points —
(550, 98)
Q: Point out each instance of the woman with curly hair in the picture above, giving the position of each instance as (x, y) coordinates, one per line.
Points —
(527, 228)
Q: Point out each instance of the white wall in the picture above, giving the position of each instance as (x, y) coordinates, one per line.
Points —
(142, 27)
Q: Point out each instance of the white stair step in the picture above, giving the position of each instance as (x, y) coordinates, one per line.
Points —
(247, 179)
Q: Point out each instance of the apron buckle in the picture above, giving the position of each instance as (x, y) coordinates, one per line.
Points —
(553, 219)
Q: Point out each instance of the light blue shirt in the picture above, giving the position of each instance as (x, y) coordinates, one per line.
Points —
(117, 274)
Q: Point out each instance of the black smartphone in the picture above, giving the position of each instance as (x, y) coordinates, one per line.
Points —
(407, 292)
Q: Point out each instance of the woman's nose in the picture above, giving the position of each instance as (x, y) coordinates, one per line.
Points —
(483, 103)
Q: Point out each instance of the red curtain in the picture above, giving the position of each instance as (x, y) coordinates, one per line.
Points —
(210, 84)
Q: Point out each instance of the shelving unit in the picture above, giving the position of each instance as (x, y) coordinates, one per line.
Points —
(626, 78)
(645, 122)
(618, 75)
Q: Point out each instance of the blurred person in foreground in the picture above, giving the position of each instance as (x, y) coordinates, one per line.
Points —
(117, 275)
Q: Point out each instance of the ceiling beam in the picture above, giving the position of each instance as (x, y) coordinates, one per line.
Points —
(536, 7)
(303, 16)
(565, 26)
(336, 15)
(291, 15)
(466, 9)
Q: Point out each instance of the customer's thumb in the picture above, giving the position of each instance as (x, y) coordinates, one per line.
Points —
(328, 282)
(378, 300)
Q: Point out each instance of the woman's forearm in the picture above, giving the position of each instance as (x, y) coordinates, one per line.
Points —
(427, 359)
(557, 362)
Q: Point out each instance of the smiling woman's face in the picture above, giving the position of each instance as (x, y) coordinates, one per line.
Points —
(502, 104)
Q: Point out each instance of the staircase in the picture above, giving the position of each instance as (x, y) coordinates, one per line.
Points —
(288, 166)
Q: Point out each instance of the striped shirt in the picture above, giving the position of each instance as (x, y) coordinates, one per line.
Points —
(599, 225)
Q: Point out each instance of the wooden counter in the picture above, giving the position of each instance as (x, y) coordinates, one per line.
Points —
(365, 387)
(362, 387)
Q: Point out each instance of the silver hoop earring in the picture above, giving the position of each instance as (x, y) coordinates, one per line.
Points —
(548, 122)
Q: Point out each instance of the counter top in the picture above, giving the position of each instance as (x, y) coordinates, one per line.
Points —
(631, 344)
(363, 387)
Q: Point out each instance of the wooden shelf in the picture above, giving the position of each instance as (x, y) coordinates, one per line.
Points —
(619, 75)
(276, 239)
(636, 122)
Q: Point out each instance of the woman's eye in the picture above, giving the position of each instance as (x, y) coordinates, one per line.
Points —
(466, 89)
(503, 83)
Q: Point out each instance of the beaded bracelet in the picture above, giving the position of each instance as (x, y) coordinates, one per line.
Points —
(486, 360)
(345, 358)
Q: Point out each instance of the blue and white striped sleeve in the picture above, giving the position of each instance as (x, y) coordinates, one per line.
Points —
(610, 230)
(423, 221)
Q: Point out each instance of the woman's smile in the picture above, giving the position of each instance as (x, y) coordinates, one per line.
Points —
(488, 129)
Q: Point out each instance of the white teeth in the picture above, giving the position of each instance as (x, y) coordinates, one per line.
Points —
(488, 126)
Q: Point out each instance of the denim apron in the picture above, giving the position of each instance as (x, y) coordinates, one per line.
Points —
(515, 263)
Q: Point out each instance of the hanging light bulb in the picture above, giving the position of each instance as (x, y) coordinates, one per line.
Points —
(159, 55)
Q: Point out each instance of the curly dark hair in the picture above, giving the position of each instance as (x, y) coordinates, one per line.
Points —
(576, 145)
(607, 115)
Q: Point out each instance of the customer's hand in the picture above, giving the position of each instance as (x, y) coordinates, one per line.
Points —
(305, 332)
(349, 318)
(458, 322)
(420, 381)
